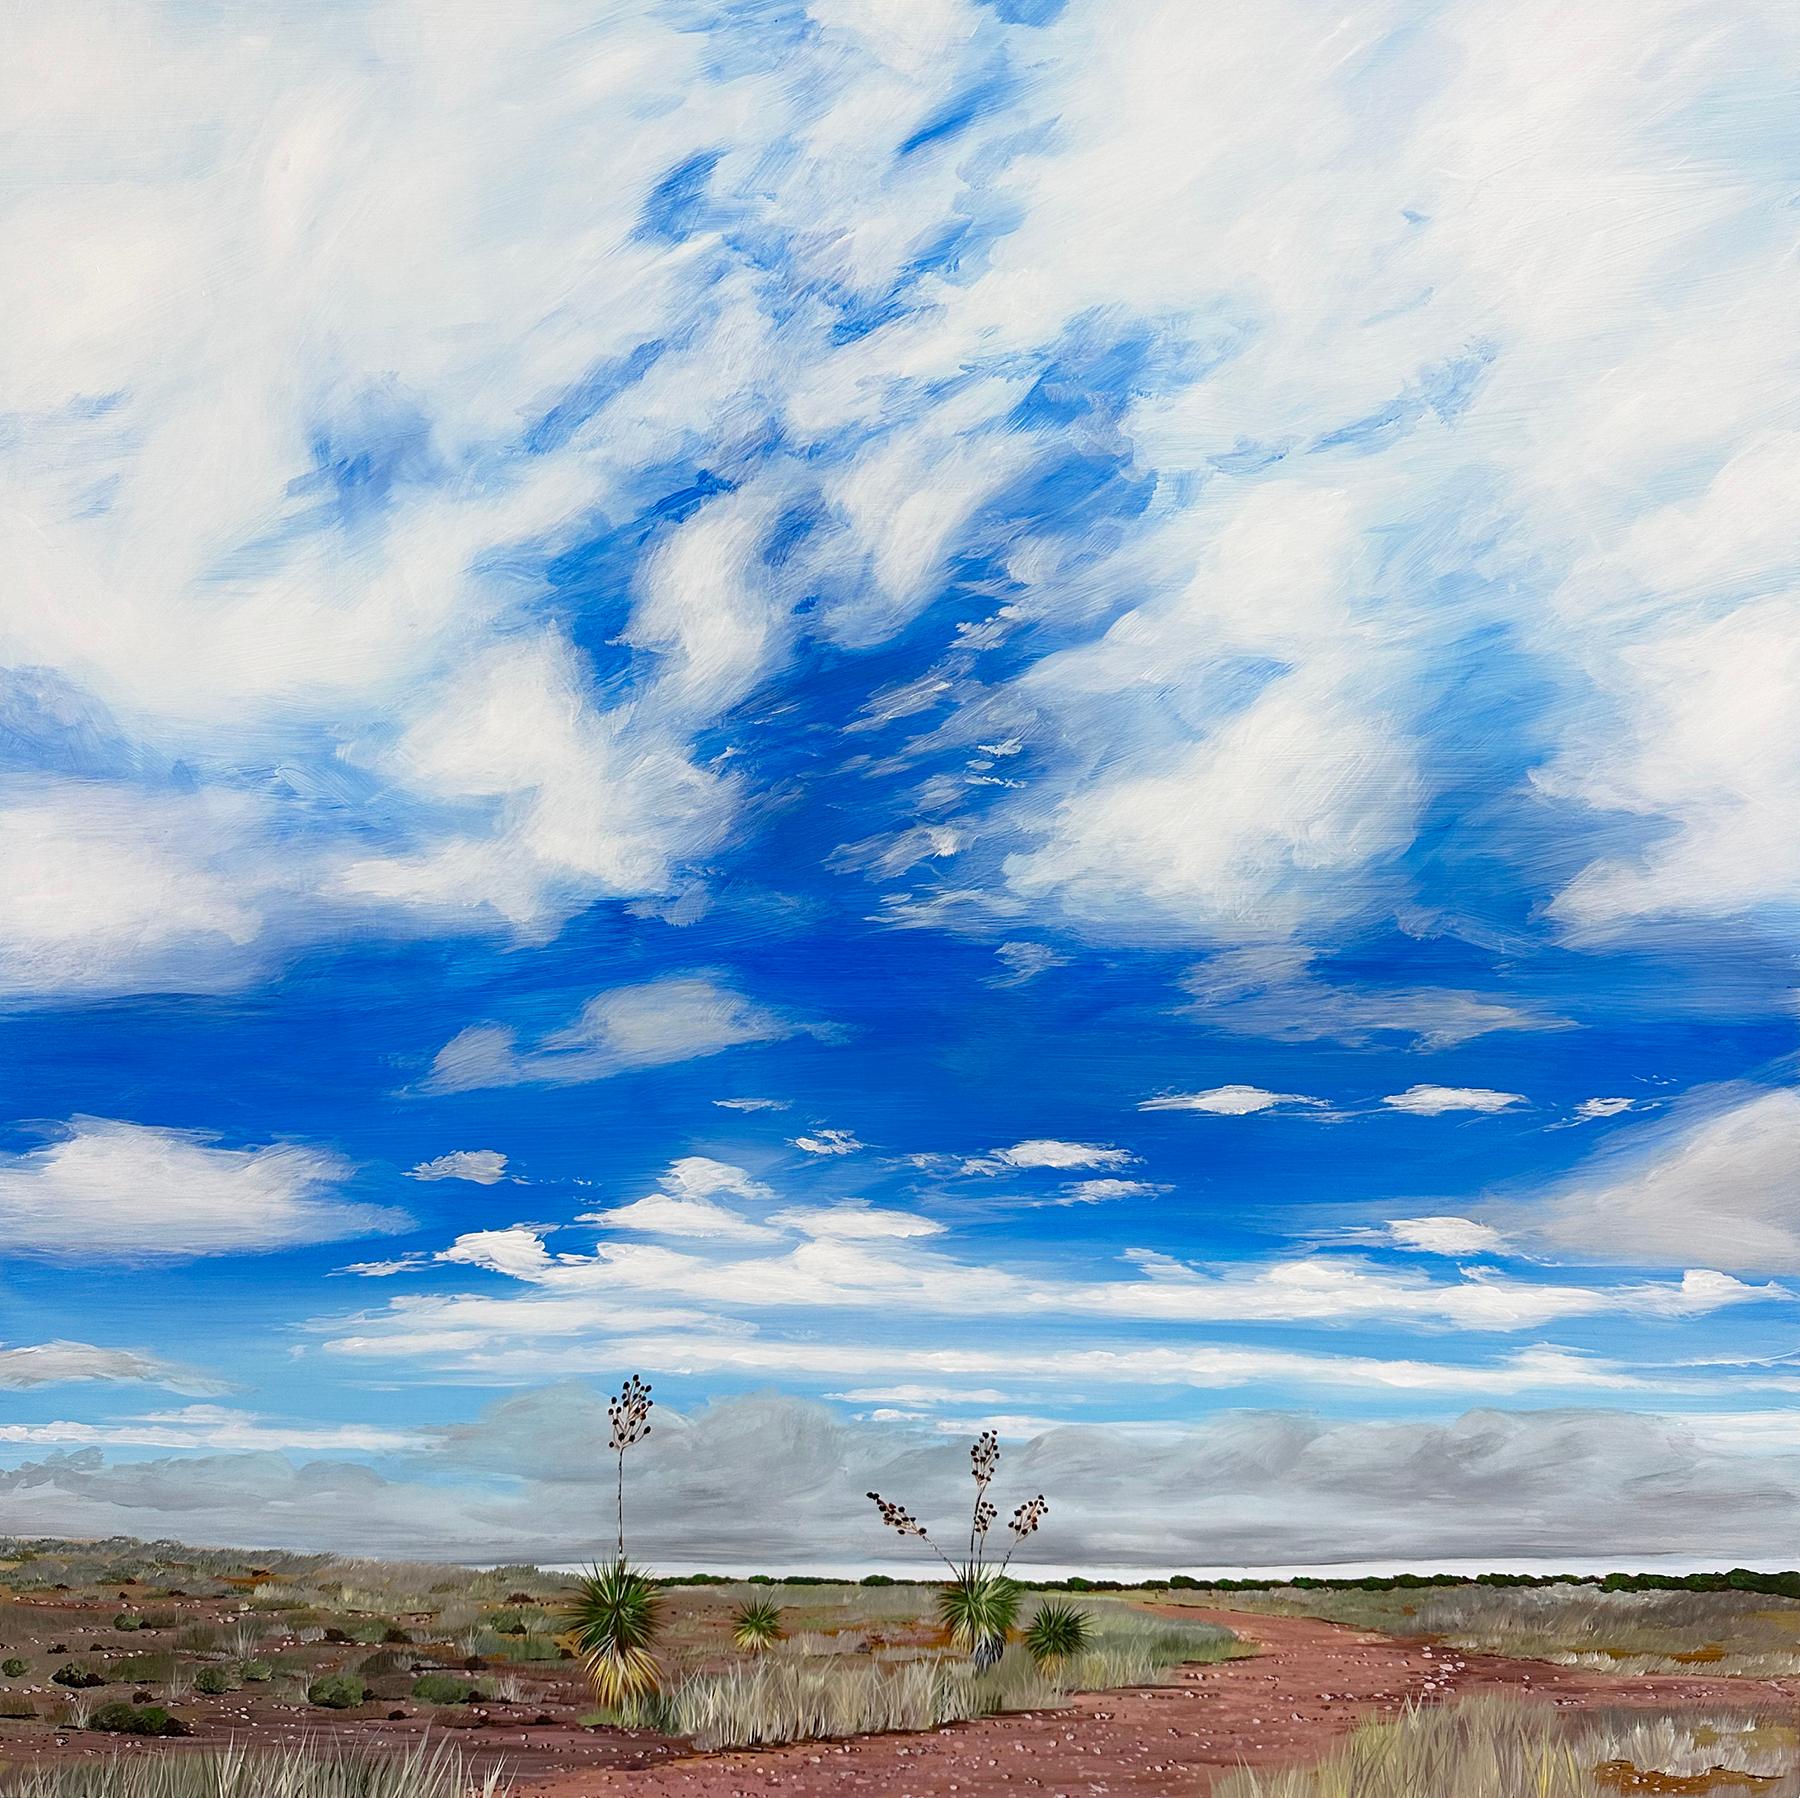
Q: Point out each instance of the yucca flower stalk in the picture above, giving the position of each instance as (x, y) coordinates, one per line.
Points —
(616, 1610)
(756, 1626)
(980, 1604)
(629, 1415)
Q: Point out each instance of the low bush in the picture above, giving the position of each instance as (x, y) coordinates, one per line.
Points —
(78, 1679)
(337, 1692)
(128, 1620)
(257, 1672)
(122, 1719)
(14, 1668)
(215, 1682)
(444, 1688)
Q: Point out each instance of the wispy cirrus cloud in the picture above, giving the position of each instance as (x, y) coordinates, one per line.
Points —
(677, 1018)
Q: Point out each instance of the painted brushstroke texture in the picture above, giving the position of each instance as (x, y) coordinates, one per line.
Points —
(1003, 709)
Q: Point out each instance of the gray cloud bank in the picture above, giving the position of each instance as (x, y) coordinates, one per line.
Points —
(770, 1481)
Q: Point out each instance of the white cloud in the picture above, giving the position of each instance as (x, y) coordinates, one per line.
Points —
(1101, 1192)
(1715, 1182)
(483, 1166)
(1444, 1235)
(856, 1222)
(587, 807)
(1046, 1152)
(1238, 1488)
(1271, 991)
(24, 1368)
(215, 1427)
(1434, 1101)
(688, 1204)
(1024, 962)
(1603, 1108)
(1229, 1101)
(111, 1191)
(753, 1104)
(1303, 793)
(104, 888)
(828, 1142)
(680, 1017)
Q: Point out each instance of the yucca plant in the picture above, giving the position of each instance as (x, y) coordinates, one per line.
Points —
(616, 1612)
(756, 1625)
(979, 1608)
(1056, 1633)
(980, 1603)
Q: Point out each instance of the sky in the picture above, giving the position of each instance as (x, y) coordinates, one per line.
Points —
(914, 714)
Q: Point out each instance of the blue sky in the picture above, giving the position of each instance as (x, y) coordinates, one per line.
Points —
(907, 714)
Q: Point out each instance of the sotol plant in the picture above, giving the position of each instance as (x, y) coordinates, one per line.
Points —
(1056, 1633)
(756, 1625)
(979, 1604)
(616, 1610)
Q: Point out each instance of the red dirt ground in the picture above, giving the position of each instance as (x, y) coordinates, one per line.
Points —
(1309, 1684)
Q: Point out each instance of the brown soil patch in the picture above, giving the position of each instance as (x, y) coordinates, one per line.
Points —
(1310, 1684)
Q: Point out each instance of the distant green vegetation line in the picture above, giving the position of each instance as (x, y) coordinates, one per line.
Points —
(1737, 1579)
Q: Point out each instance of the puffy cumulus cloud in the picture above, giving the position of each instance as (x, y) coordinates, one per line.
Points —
(1047, 1152)
(1231, 1101)
(483, 1166)
(103, 1190)
(1274, 396)
(1689, 622)
(769, 1482)
(694, 1199)
(27, 1366)
(104, 886)
(1435, 1101)
(678, 1018)
(1715, 1181)
(352, 354)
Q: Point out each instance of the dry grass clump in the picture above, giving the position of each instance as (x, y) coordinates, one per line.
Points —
(426, 1772)
(1739, 1633)
(793, 1698)
(1493, 1748)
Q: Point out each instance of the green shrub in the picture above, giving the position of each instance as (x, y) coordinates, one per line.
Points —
(128, 1620)
(756, 1625)
(77, 1678)
(1056, 1631)
(256, 1672)
(120, 1718)
(14, 1668)
(337, 1692)
(215, 1682)
(144, 1669)
(444, 1688)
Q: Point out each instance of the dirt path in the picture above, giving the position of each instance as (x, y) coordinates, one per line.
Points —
(1310, 1683)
